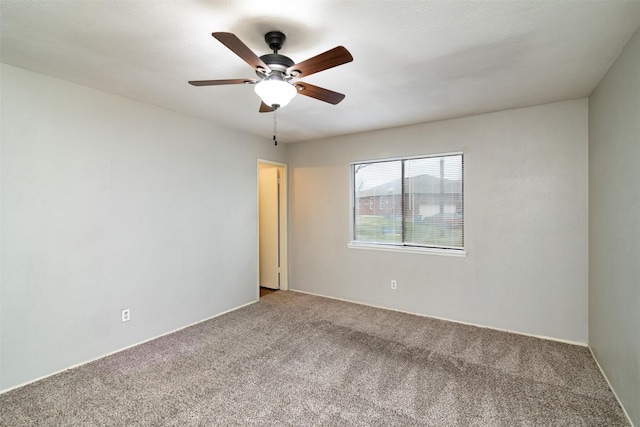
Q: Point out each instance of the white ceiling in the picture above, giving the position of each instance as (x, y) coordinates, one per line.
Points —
(414, 60)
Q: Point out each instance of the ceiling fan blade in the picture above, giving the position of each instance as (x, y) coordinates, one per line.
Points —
(221, 82)
(264, 108)
(241, 49)
(317, 92)
(329, 59)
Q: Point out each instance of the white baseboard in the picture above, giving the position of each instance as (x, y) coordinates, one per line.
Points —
(610, 386)
(581, 344)
(125, 348)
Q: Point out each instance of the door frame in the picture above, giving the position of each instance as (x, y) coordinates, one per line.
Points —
(284, 204)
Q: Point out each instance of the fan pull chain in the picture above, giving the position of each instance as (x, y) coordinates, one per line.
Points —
(275, 127)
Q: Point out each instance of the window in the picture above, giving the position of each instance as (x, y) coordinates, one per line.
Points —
(420, 202)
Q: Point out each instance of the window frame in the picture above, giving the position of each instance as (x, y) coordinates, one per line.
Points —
(403, 247)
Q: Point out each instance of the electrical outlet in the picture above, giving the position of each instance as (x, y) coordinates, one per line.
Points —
(126, 315)
(394, 284)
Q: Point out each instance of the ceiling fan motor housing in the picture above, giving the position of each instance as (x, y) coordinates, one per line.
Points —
(277, 62)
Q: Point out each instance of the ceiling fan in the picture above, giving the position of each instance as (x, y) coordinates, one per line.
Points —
(278, 75)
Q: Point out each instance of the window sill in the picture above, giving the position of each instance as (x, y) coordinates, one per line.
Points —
(408, 249)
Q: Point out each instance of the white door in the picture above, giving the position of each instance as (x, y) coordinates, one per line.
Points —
(269, 226)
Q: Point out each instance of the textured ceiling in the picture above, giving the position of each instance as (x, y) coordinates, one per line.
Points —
(414, 61)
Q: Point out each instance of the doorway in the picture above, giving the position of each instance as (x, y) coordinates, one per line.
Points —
(272, 229)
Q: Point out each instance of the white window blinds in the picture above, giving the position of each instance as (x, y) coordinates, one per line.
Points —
(417, 201)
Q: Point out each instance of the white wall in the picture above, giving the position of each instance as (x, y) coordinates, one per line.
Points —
(614, 226)
(525, 222)
(109, 203)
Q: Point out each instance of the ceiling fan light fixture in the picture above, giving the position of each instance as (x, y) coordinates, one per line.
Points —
(275, 91)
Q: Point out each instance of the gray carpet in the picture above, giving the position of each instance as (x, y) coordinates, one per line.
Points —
(296, 359)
